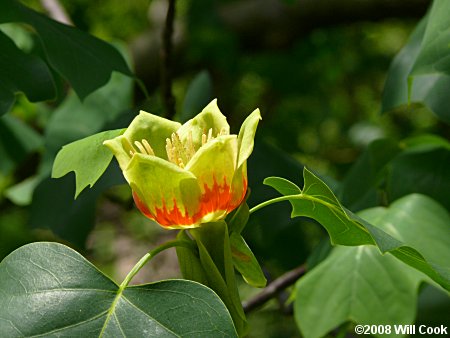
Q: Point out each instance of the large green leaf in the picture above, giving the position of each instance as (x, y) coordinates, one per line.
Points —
(422, 168)
(21, 72)
(352, 283)
(48, 289)
(434, 55)
(430, 90)
(359, 189)
(88, 158)
(85, 61)
(356, 284)
(317, 201)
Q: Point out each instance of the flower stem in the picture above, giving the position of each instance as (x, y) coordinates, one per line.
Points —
(145, 259)
(274, 200)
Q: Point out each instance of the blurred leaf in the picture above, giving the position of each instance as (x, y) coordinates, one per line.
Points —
(356, 284)
(17, 140)
(318, 202)
(53, 206)
(359, 187)
(428, 89)
(88, 158)
(423, 169)
(433, 57)
(420, 223)
(245, 262)
(77, 299)
(21, 72)
(85, 61)
(22, 193)
(198, 95)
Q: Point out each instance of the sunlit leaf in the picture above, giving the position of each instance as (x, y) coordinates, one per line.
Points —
(88, 158)
(318, 202)
(52, 290)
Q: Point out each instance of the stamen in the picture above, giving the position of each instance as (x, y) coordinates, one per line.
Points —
(190, 149)
(210, 137)
(170, 151)
(203, 139)
(140, 147)
(180, 162)
(148, 148)
(223, 131)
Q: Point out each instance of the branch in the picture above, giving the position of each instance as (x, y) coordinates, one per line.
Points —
(274, 288)
(166, 62)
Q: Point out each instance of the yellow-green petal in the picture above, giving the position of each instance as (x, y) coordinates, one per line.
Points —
(247, 135)
(120, 147)
(170, 194)
(209, 118)
(216, 160)
(152, 128)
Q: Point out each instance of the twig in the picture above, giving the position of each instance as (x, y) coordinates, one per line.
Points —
(56, 11)
(166, 62)
(274, 288)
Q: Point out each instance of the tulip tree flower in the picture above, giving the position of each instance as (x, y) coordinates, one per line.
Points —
(185, 175)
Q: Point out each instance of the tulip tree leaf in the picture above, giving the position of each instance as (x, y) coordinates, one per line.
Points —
(88, 158)
(317, 201)
(351, 285)
(430, 89)
(50, 289)
(359, 278)
(434, 54)
(21, 72)
(85, 61)
(245, 262)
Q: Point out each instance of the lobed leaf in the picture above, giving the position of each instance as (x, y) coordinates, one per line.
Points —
(317, 201)
(88, 158)
(52, 290)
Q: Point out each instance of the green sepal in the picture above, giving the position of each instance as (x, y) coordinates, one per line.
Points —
(245, 262)
(237, 220)
(215, 256)
(87, 158)
(190, 266)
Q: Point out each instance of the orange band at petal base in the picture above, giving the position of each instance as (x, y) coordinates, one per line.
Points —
(213, 200)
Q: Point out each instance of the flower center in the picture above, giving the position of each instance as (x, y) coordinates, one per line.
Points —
(178, 152)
